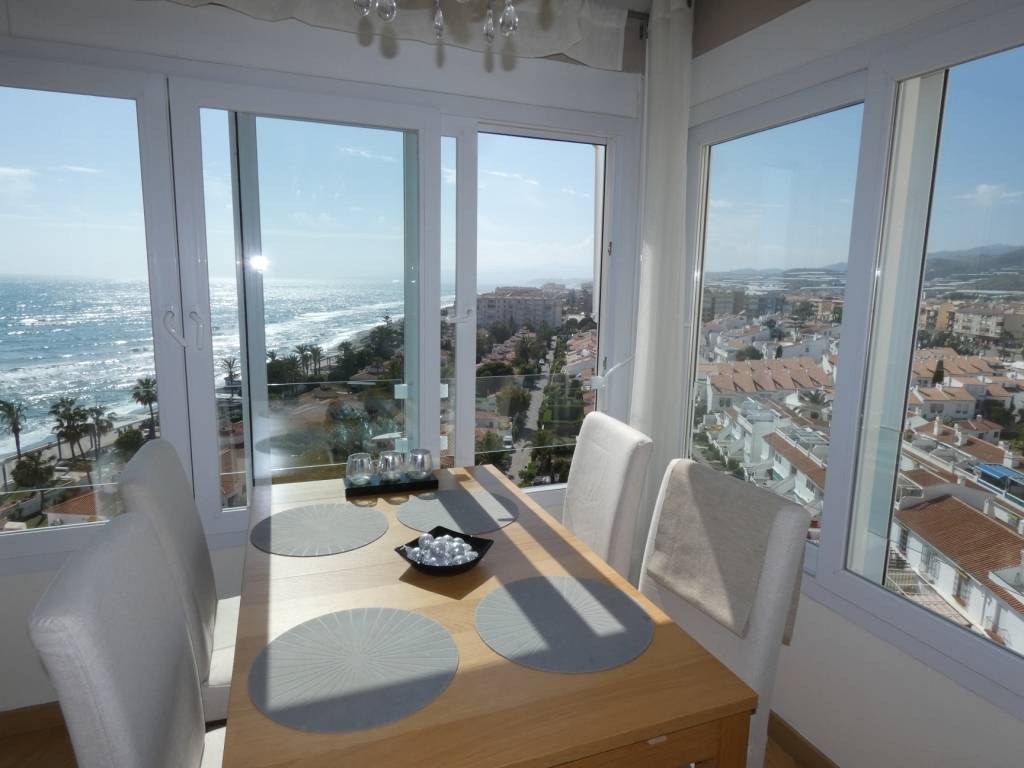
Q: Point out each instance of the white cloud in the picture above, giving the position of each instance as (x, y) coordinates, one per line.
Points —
(448, 175)
(6, 172)
(574, 193)
(77, 169)
(521, 178)
(987, 195)
(366, 154)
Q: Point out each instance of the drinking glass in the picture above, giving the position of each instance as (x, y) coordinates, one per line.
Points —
(360, 468)
(421, 462)
(391, 465)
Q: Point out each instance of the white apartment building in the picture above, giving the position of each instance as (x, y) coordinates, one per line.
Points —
(970, 558)
(517, 307)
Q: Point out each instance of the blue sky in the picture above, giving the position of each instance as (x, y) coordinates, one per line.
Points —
(784, 197)
(331, 196)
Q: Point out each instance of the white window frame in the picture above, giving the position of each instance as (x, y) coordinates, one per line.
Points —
(149, 92)
(187, 97)
(964, 33)
(99, 69)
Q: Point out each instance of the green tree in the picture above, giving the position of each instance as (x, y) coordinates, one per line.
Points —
(803, 311)
(749, 353)
(128, 443)
(230, 367)
(34, 472)
(144, 393)
(12, 419)
(71, 420)
(513, 401)
(490, 450)
(102, 421)
(939, 375)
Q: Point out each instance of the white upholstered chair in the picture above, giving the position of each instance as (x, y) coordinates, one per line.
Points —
(606, 480)
(112, 637)
(154, 484)
(753, 656)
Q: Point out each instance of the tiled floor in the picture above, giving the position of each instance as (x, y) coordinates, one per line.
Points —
(51, 748)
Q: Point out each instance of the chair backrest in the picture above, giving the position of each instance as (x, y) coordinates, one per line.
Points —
(754, 656)
(113, 639)
(606, 481)
(154, 485)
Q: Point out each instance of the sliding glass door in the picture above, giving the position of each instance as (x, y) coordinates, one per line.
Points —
(91, 361)
(309, 289)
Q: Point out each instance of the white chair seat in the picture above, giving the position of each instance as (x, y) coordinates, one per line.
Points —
(213, 748)
(218, 685)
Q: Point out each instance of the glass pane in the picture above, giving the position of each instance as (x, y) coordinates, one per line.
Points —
(779, 211)
(939, 513)
(225, 317)
(335, 221)
(538, 257)
(448, 266)
(77, 377)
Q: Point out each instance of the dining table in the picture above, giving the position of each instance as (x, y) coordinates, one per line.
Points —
(672, 705)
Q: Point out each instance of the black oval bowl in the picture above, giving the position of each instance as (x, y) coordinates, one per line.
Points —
(480, 545)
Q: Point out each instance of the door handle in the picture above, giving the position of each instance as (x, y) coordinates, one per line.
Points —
(170, 327)
(467, 316)
(200, 328)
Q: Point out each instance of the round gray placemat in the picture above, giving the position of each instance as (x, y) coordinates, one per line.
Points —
(318, 529)
(469, 512)
(353, 669)
(564, 624)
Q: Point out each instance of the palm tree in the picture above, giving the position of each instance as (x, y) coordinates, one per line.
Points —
(812, 403)
(102, 422)
(33, 471)
(271, 355)
(302, 352)
(230, 365)
(71, 419)
(144, 393)
(316, 356)
(12, 419)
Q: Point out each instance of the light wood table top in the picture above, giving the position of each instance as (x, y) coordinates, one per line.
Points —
(673, 704)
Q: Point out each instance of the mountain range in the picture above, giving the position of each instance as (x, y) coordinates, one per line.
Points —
(969, 261)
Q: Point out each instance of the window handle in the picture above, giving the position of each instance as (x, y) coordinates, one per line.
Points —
(466, 317)
(195, 317)
(171, 327)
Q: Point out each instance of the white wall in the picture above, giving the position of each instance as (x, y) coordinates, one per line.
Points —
(865, 703)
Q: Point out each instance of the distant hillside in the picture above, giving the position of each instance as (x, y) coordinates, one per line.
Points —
(974, 261)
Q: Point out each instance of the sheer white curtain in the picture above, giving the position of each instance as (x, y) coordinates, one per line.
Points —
(585, 30)
(663, 322)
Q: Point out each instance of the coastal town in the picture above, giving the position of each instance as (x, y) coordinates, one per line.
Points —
(765, 386)
(536, 352)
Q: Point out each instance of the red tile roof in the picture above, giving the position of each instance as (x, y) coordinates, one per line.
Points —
(803, 463)
(974, 542)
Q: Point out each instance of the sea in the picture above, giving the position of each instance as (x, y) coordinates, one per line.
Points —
(92, 339)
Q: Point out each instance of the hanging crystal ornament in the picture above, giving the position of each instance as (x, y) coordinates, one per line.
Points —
(387, 9)
(489, 25)
(438, 20)
(509, 21)
(363, 6)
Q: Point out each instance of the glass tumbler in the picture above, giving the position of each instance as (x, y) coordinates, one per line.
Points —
(360, 468)
(392, 463)
(421, 463)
